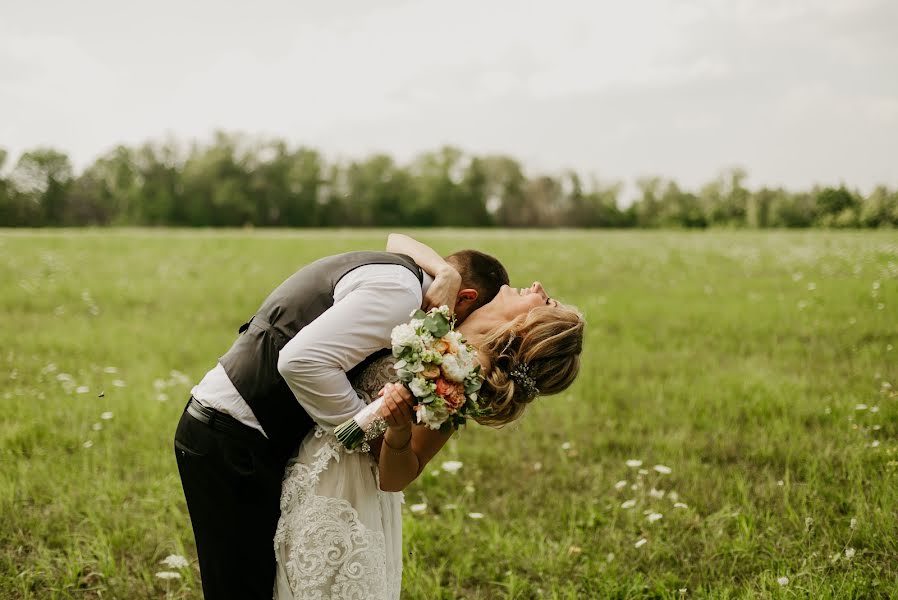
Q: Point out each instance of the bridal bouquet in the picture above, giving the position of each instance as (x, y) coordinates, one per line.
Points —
(437, 366)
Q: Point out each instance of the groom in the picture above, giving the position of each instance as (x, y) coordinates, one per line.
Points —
(285, 372)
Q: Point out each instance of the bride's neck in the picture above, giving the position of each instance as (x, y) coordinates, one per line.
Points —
(474, 330)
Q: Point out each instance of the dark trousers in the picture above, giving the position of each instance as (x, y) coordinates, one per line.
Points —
(232, 482)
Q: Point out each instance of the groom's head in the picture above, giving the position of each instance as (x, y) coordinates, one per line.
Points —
(481, 277)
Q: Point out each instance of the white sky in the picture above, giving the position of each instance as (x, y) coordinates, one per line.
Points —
(796, 92)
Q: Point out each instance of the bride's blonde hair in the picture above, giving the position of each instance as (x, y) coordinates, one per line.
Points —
(535, 354)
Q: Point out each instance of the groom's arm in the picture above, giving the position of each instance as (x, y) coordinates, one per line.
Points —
(315, 362)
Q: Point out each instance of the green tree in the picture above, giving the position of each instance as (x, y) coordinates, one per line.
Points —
(647, 209)
(216, 184)
(836, 207)
(43, 178)
(679, 208)
(792, 210)
(503, 189)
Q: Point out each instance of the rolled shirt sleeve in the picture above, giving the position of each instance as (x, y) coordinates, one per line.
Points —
(371, 301)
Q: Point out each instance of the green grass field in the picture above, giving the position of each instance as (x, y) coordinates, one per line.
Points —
(758, 367)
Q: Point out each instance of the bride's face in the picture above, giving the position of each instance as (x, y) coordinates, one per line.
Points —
(511, 302)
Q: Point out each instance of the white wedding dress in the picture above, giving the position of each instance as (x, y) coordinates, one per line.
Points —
(339, 535)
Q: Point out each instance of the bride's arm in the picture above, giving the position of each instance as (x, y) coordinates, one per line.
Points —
(447, 281)
(401, 464)
(406, 448)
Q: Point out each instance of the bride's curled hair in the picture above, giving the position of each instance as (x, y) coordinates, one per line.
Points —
(536, 354)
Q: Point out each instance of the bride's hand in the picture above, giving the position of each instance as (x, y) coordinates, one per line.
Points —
(398, 406)
(443, 290)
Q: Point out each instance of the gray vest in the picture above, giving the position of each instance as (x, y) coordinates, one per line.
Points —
(251, 363)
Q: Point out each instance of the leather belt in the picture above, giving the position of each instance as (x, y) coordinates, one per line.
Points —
(220, 421)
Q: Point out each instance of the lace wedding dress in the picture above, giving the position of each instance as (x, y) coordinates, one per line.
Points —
(339, 535)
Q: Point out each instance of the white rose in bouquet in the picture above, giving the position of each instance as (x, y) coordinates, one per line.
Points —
(453, 369)
(420, 387)
(432, 415)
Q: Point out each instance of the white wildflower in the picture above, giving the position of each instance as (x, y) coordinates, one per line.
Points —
(417, 508)
(640, 543)
(168, 575)
(175, 561)
(849, 553)
(874, 444)
(633, 463)
(609, 557)
(680, 505)
(656, 493)
(451, 466)
(106, 415)
(537, 466)
(655, 517)
(860, 407)
(808, 523)
(118, 383)
(82, 389)
(783, 581)
(620, 484)
(110, 370)
(673, 496)
(566, 446)
(663, 470)
(643, 471)
(97, 426)
(88, 444)
(853, 523)
(874, 409)
(628, 504)
(475, 515)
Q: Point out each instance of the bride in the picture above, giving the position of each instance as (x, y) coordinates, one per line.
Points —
(340, 530)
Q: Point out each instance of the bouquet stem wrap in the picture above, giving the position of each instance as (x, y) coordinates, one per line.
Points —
(365, 426)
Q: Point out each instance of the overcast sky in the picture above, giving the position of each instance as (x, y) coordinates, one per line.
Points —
(796, 92)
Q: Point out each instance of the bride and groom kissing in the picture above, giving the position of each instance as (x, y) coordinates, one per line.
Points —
(278, 506)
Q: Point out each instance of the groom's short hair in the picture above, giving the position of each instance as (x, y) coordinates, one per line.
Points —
(480, 271)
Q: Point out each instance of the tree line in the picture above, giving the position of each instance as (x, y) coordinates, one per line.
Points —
(236, 181)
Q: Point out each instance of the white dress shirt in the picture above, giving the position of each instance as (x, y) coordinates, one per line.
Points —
(368, 302)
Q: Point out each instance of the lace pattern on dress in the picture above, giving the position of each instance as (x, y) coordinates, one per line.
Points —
(330, 552)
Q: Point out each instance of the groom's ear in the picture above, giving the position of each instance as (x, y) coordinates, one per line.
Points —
(464, 303)
(467, 296)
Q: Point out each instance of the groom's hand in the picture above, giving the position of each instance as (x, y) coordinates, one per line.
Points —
(443, 290)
